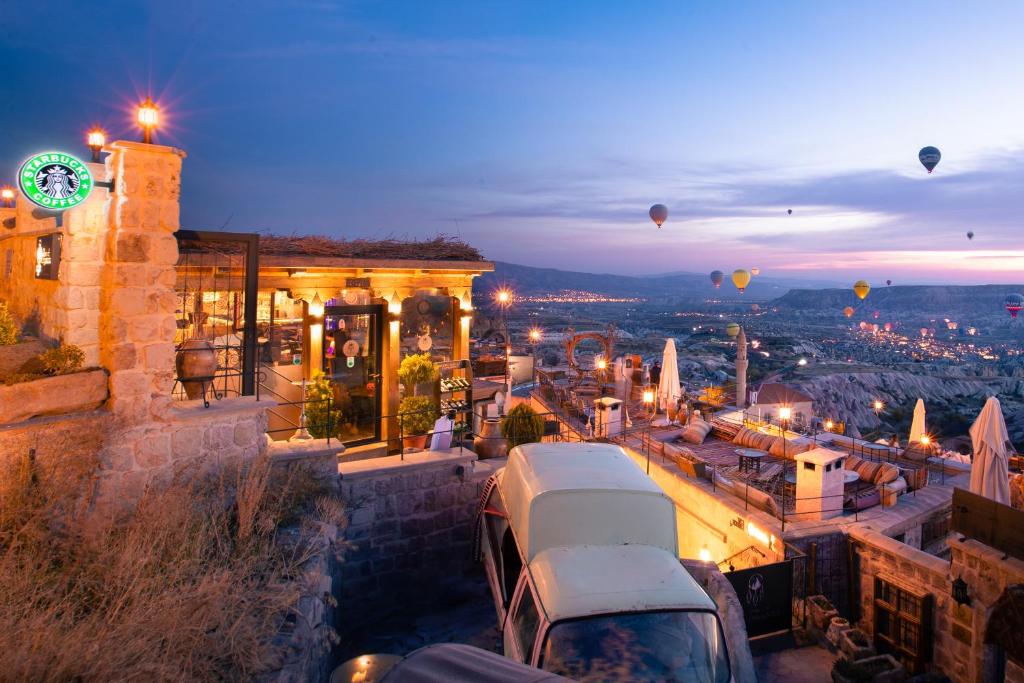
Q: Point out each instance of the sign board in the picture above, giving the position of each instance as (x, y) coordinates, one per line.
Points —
(54, 180)
(357, 283)
(766, 593)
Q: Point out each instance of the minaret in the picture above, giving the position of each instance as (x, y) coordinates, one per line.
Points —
(741, 369)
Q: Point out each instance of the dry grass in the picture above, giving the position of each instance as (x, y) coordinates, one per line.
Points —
(192, 585)
(438, 248)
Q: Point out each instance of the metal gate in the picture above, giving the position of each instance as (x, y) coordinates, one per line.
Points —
(217, 278)
(766, 594)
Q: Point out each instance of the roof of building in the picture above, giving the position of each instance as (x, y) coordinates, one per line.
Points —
(588, 580)
(780, 393)
(561, 494)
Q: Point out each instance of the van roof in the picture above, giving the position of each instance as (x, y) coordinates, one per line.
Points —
(589, 580)
(583, 493)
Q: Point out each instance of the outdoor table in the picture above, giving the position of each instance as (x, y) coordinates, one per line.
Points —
(750, 458)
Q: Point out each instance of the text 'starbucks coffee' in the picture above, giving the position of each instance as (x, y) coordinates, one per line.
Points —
(54, 180)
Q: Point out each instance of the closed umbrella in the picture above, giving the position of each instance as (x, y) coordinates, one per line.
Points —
(668, 387)
(991, 453)
(917, 426)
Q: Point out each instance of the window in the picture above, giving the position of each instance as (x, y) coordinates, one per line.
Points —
(426, 325)
(903, 624)
(525, 621)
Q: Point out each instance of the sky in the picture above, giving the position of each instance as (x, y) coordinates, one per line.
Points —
(541, 132)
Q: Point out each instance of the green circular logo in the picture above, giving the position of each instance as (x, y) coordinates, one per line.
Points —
(54, 180)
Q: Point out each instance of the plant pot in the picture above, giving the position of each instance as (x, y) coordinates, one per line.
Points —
(418, 441)
(856, 645)
(195, 363)
(821, 611)
(489, 443)
(836, 628)
(877, 669)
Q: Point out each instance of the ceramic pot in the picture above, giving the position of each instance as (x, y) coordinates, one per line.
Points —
(196, 358)
(418, 441)
(489, 443)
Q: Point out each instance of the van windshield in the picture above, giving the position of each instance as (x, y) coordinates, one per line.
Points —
(651, 646)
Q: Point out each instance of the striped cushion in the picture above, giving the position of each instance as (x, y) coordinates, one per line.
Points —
(749, 438)
(792, 448)
(873, 472)
(696, 431)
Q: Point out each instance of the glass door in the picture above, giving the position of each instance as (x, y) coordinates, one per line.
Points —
(351, 361)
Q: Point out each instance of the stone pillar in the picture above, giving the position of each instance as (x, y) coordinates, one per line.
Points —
(741, 369)
(137, 302)
(391, 358)
(460, 330)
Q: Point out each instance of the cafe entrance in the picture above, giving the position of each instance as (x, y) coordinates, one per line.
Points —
(353, 338)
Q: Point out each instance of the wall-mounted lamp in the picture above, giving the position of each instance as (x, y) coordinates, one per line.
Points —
(148, 118)
(316, 308)
(466, 302)
(96, 139)
(395, 305)
(7, 195)
(704, 554)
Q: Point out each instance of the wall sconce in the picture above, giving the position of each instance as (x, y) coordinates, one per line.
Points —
(316, 308)
(96, 139)
(148, 117)
(960, 593)
(466, 302)
(7, 195)
(394, 305)
(704, 554)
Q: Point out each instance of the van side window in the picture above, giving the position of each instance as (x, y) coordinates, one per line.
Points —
(525, 621)
(503, 546)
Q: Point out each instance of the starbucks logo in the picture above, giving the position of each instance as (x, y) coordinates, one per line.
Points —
(54, 180)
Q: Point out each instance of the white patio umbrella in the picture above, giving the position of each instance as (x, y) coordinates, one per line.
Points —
(917, 426)
(669, 390)
(991, 453)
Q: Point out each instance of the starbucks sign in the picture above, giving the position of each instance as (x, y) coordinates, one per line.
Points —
(54, 180)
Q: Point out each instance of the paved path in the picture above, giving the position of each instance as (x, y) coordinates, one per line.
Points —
(810, 664)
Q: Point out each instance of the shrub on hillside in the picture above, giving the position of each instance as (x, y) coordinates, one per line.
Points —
(192, 585)
(8, 328)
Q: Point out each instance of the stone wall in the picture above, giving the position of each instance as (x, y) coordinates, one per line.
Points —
(410, 526)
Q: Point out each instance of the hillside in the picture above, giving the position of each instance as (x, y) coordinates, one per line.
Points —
(935, 300)
(682, 285)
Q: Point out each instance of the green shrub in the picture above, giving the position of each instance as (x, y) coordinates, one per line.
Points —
(416, 369)
(321, 414)
(522, 425)
(62, 360)
(417, 414)
(8, 328)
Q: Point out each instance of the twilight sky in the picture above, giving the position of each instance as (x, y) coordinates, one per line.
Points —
(542, 131)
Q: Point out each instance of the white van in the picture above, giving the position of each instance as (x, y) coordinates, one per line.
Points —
(581, 554)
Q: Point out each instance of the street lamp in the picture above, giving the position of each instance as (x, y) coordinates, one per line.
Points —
(503, 297)
(7, 194)
(648, 397)
(148, 118)
(96, 139)
(785, 412)
(878, 405)
(534, 335)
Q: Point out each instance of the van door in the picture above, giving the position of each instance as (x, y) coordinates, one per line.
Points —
(502, 562)
(522, 627)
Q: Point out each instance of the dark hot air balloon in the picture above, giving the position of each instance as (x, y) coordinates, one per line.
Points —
(970, 234)
(888, 282)
(658, 214)
(1013, 303)
(716, 278)
(789, 212)
(929, 157)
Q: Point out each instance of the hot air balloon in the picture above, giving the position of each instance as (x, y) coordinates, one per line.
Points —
(875, 315)
(848, 311)
(1013, 303)
(929, 157)
(789, 212)
(755, 271)
(755, 307)
(970, 234)
(732, 329)
(861, 289)
(862, 325)
(741, 279)
(716, 278)
(658, 214)
(888, 282)
(888, 327)
(924, 331)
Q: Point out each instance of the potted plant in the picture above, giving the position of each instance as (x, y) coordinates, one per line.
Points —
(821, 611)
(877, 669)
(416, 417)
(416, 370)
(522, 425)
(836, 627)
(856, 645)
(322, 416)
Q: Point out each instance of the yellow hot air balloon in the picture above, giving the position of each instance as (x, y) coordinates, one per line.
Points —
(848, 311)
(741, 279)
(755, 271)
(861, 288)
(732, 329)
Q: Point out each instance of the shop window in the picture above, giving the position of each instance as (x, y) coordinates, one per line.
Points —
(426, 325)
(48, 256)
(903, 625)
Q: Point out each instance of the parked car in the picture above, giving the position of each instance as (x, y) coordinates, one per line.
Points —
(440, 663)
(581, 554)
